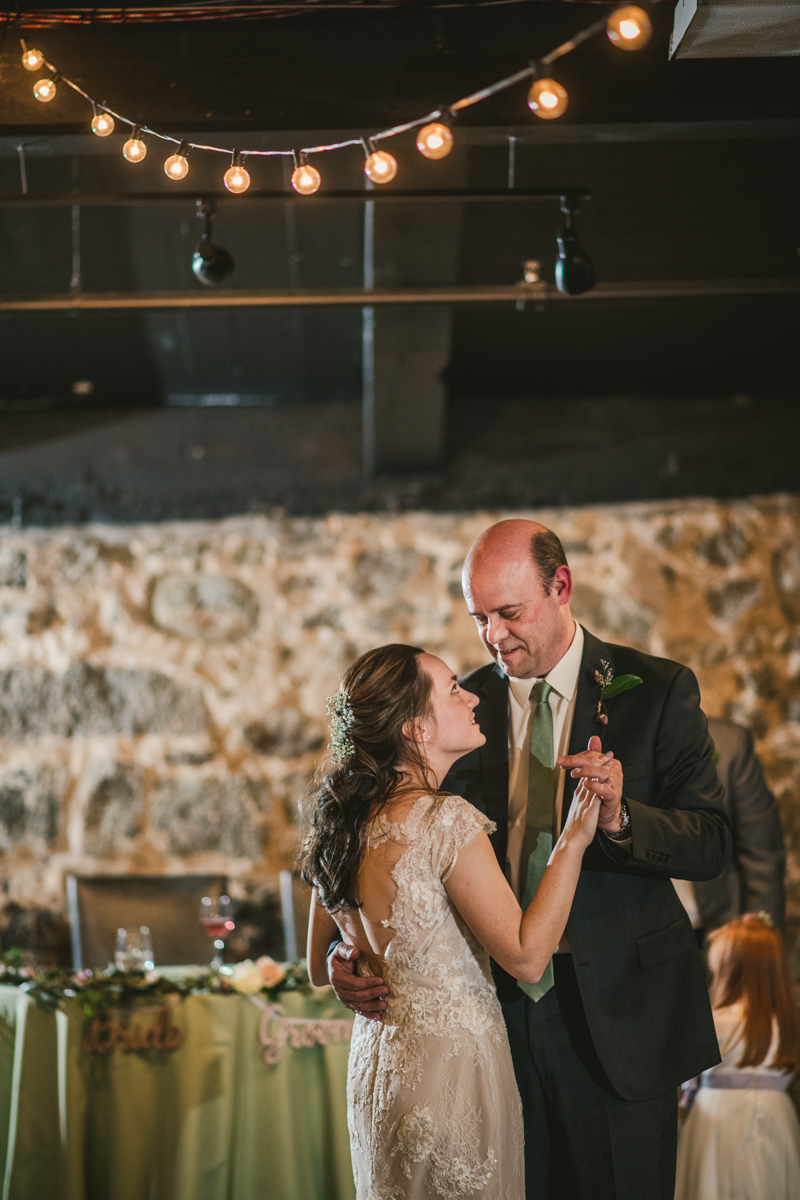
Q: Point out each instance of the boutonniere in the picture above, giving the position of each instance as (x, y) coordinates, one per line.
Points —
(611, 686)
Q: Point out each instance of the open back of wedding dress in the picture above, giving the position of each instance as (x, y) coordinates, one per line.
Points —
(433, 1106)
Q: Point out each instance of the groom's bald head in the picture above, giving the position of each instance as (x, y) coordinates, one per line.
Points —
(517, 586)
(514, 540)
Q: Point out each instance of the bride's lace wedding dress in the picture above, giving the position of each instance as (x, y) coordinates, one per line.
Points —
(433, 1105)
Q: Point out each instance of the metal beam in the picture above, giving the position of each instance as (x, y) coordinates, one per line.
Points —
(110, 199)
(543, 133)
(455, 295)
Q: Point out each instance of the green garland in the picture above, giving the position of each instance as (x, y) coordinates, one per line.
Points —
(99, 989)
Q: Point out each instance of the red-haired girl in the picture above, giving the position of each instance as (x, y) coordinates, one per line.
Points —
(741, 1139)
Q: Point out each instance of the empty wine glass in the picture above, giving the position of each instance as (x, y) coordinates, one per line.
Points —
(216, 917)
(134, 950)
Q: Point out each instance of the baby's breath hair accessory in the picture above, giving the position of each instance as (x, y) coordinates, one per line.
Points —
(342, 720)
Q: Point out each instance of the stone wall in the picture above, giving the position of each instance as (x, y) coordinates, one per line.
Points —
(162, 687)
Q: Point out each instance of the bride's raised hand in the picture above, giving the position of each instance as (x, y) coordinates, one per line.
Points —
(581, 823)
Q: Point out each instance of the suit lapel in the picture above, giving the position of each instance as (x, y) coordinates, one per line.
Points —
(583, 722)
(492, 716)
(482, 776)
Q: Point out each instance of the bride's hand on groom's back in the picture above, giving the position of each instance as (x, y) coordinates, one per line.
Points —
(364, 995)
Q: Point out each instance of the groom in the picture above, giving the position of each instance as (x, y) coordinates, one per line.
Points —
(622, 1015)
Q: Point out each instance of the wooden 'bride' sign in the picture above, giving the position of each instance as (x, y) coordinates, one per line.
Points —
(107, 1032)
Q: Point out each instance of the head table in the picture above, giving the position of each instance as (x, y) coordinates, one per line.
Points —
(208, 1097)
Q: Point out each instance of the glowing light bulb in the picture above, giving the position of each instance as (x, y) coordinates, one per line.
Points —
(102, 124)
(306, 179)
(547, 99)
(44, 90)
(381, 166)
(629, 28)
(236, 179)
(134, 149)
(434, 140)
(177, 166)
(32, 59)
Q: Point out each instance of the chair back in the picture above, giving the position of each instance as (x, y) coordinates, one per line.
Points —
(168, 904)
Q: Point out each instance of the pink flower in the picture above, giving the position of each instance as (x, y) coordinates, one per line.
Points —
(272, 973)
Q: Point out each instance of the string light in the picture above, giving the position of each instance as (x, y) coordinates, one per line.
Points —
(547, 99)
(381, 166)
(177, 166)
(32, 59)
(306, 179)
(236, 179)
(435, 140)
(102, 123)
(629, 28)
(134, 149)
(45, 89)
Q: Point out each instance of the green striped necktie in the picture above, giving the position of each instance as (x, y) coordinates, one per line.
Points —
(537, 844)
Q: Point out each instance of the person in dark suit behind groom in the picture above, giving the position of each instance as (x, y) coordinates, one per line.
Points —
(623, 1015)
(754, 879)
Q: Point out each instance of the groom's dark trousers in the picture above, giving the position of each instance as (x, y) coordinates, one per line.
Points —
(599, 1058)
(581, 1139)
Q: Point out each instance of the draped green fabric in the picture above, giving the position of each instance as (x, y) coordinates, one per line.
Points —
(207, 1121)
(537, 844)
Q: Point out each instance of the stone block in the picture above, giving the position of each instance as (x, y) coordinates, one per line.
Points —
(213, 608)
(786, 573)
(608, 611)
(726, 548)
(205, 814)
(88, 700)
(114, 810)
(733, 599)
(29, 803)
(382, 573)
(13, 567)
(284, 735)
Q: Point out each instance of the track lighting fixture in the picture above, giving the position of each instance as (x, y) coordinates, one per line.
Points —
(575, 271)
(211, 264)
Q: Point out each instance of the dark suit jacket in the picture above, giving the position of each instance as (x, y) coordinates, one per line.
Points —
(640, 974)
(753, 881)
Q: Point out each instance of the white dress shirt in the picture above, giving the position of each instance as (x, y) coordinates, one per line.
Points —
(563, 679)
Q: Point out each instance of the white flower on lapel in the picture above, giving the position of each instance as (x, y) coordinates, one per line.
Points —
(610, 686)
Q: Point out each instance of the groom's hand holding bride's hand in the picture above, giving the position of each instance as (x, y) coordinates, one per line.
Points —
(363, 995)
(603, 775)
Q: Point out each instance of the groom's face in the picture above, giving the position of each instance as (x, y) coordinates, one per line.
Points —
(518, 622)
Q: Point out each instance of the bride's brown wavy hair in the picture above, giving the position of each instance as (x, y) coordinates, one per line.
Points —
(386, 688)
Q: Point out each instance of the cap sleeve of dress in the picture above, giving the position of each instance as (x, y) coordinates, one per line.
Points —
(456, 824)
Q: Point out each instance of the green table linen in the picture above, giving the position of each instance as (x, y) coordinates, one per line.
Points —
(209, 1120)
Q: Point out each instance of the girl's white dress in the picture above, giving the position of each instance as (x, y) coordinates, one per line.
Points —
(739, 1144)
(433, 1105)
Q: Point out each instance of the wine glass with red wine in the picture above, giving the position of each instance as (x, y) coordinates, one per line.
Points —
(216, 917)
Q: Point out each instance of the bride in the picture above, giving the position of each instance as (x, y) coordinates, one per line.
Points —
(406, 873)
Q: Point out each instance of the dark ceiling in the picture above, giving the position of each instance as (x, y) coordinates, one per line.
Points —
(691, 166)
